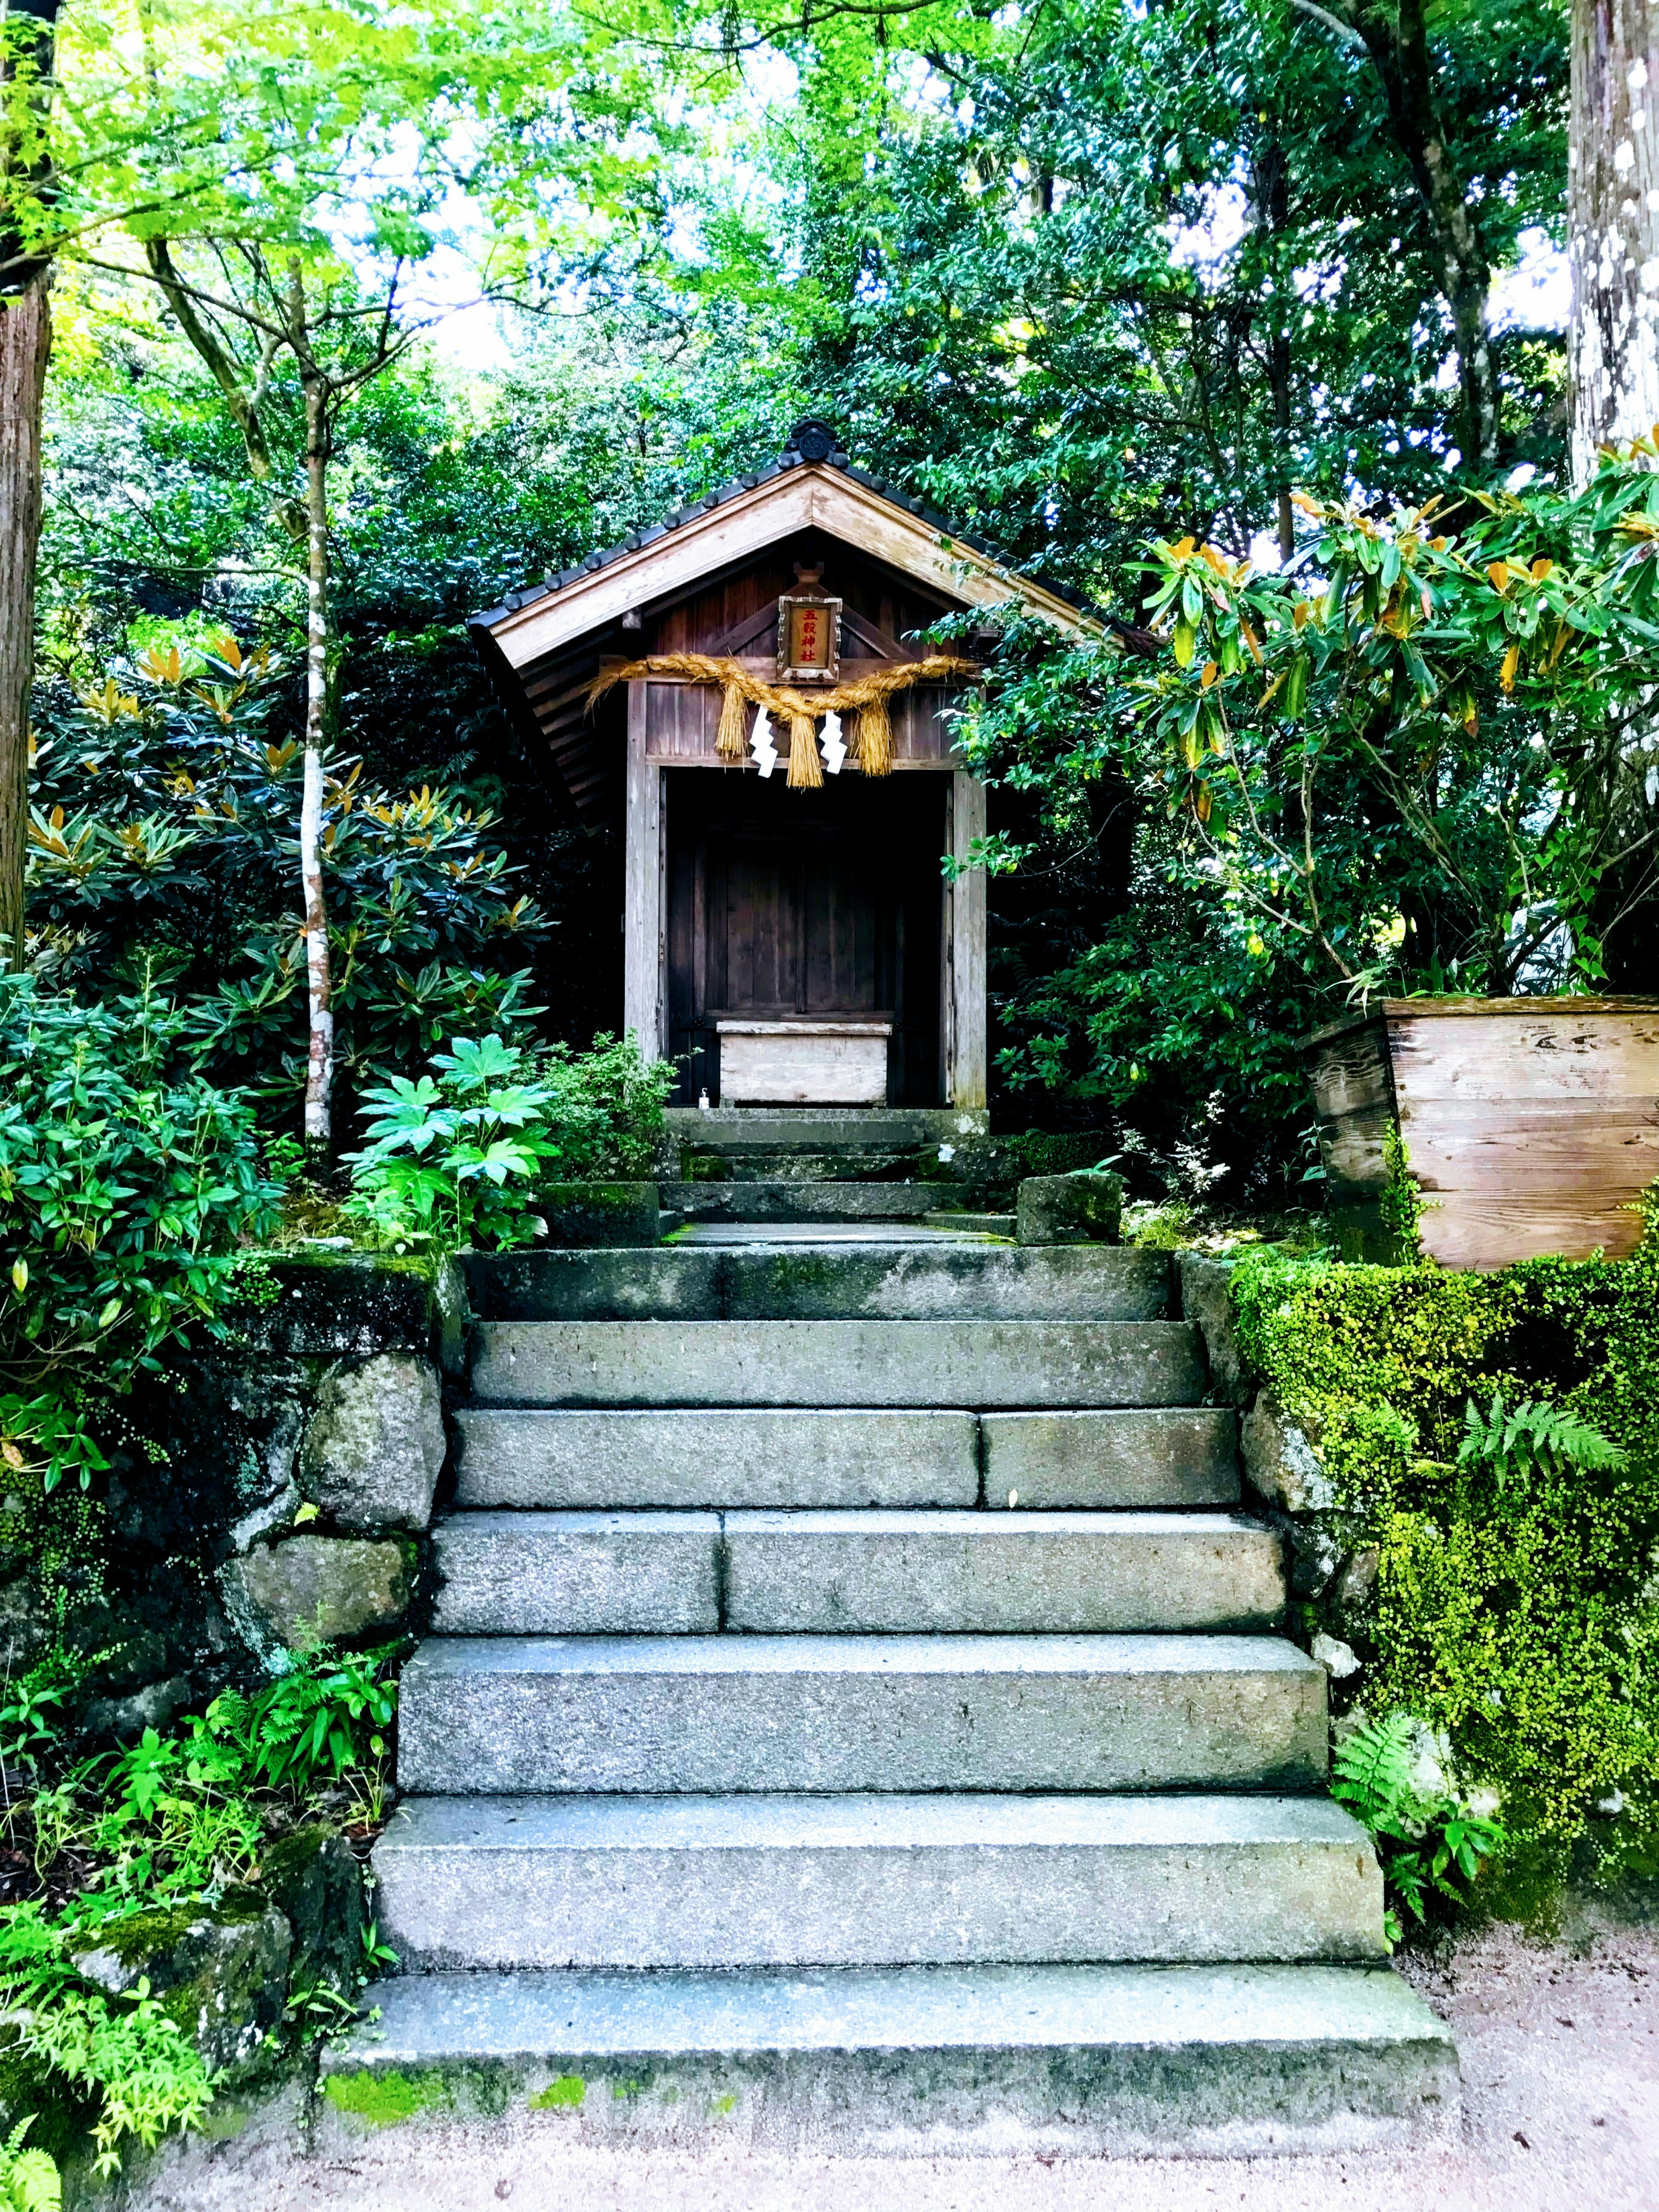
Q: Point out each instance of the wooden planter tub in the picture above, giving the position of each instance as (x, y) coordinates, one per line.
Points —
(1531, 1123)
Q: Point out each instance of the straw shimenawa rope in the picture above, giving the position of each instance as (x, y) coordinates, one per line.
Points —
(870, 744)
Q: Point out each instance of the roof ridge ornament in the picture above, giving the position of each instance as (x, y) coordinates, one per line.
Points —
(813, 438)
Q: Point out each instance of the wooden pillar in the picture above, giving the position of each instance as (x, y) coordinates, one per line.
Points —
(963, 998)
(644, 908)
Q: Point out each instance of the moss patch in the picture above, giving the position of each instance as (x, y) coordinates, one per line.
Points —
(562, 2095)
(385, 2100)
(1517, 1616)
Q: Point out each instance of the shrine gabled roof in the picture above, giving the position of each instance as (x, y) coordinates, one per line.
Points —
(812, 484)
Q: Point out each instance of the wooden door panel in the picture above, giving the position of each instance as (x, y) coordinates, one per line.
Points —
(760, 919)
(815, 903)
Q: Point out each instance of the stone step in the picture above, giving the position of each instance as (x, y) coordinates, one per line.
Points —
(941, 1280)
(973, 1224)
(1027, 1364)
(794, 1198)
(496, 1716)
(884, 1571)
(1183, 1455)
(867, 1880)
(905, 2061)
(732, 1131)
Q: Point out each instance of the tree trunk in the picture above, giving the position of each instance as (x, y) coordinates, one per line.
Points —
(319, 1067)
(1396, 38)
(25, 343)
(1613, 226)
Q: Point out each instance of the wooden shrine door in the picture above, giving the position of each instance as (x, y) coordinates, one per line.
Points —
(806, 903)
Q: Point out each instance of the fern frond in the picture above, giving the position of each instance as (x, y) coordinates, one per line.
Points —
(1371, 1771)
(1535, 1436)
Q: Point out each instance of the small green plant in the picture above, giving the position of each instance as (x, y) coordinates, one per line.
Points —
(122, 2049)
(29, 1718)
(378, 1957)
(29, 2180)
(322, 1721)
(451, 1156)
(1535, 1436)
(1400, 1202)
(1441, 1842)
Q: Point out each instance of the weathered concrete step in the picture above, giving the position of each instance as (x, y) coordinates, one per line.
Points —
(877, 1571)
(839, 1363)
(488, 1715)
(943, 1280)
(792, 1198)
(871, 1881)
(1045, 2060)
(733, 1131)
(1000, 1574)
(981, 1225)
(1180, 1455)
(578, 1574)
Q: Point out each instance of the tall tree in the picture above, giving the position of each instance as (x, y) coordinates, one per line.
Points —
(1396, 35)
(29, 28)
(1612, 225)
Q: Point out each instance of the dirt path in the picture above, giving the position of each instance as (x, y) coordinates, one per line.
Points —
(1560, 2053)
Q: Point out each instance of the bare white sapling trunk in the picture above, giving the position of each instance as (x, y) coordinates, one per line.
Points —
(320, 1067)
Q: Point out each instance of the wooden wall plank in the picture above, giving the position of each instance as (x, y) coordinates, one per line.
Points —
(645, 946)
(967, 1068)
(1531, 1128)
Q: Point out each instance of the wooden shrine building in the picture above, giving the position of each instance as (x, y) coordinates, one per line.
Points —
(789, 931)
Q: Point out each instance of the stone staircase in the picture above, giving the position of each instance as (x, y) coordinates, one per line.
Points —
(855, 1717)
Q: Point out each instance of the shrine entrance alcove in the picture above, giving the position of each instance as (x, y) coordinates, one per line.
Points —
(781, 914)
(749, 686)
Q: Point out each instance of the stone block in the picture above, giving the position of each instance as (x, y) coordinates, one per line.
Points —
(221, 1975)
(317, 1589)
(714, 1457)
(313, 1877)
(323, 1303)
(1070, 1209)
(490, 1883)
(1205, 1298)
(1156, 1456)
(1280, 1461)
(486, 1714)
(1005, 1574)
(946, 1282)
(126, 1718)
(374, 1446)
(839, 1363)
(1051, 2061)
(578, 1574)
(27, 1625)
(600, 1213)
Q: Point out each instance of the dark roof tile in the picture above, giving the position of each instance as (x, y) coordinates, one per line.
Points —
(790, 458)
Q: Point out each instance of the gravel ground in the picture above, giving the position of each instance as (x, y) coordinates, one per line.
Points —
(1560, 2052)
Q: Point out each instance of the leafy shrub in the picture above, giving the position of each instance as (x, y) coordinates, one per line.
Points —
(1441, 1840)
(162, 841)
(450, 1155)
(1491, 1443)
(606, 1108)
(160, 1824)
(459, 1155)
(124, 1187)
